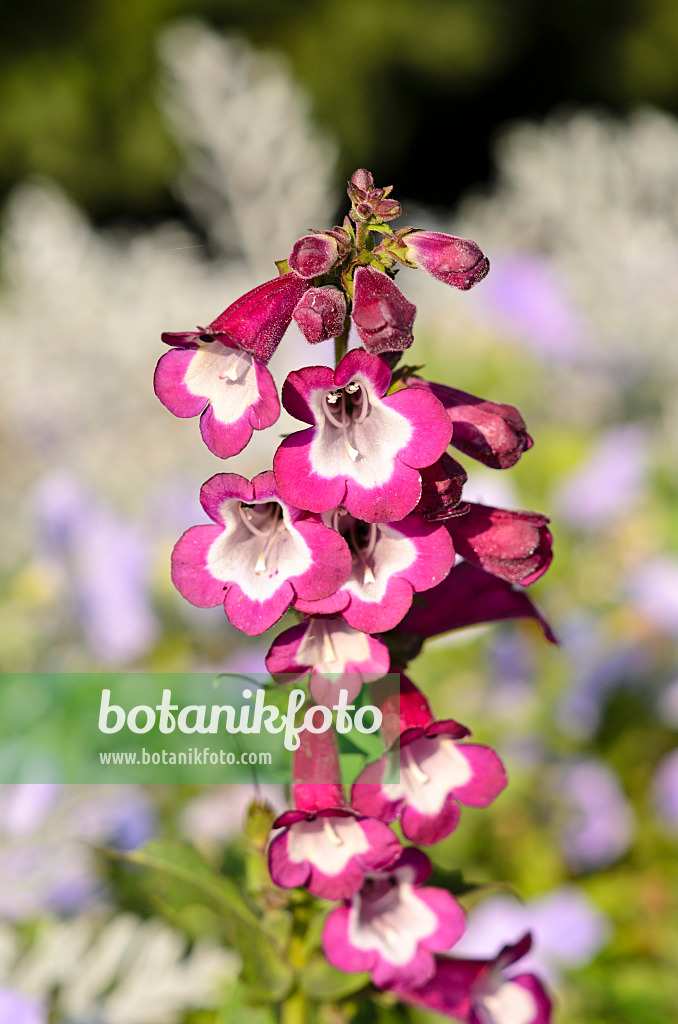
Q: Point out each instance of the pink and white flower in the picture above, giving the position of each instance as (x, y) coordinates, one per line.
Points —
(362, 450)
(390, 562)
(324, 845)
(208, 375)
(337, 656)
(437, 773)
(393, 925)
(260, 556)
(480, 991)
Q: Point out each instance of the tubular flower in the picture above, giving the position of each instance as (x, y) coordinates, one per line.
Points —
(456, 261)
(363, 451)
(480, 991)
(437, 772)
(320, 314)
(260, 556)
(337, 656)
(382, 315)
(490, 432)
(515, 546)
(469, 596)
(441, 487)
(210, 376)
(324, 845)
(393, 925)
(390, 562)
(257, 320)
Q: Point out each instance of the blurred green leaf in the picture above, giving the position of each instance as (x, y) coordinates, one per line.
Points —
(321, 981)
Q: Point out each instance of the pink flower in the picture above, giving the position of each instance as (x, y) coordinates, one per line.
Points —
(314, 254)
(393, 925)
(320, 314)
(324, 845)
(455, 261)
(337, 656)
(515, 546)
(467, 597)
(390, 563)
(212, 376)
(260, 556)
(363, 450)
(257, 320)
(437, 772)
(492, 433)
(370, 203)
(480, 992)
(382, 315)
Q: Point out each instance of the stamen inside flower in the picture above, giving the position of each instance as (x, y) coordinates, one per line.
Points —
(262, 521)
(329, 653)
(354, 407)
(418, 774)
(331, 833)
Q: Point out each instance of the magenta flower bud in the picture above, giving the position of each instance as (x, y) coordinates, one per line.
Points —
(515, 546)
(441, 487)
(455, 261)
(257, 320)
(360, 184)
(382, 315)
(490, 432)
(314, 254)
(320, 314)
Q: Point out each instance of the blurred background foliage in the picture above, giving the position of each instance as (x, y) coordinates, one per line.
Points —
(151, 172)
(415, 91)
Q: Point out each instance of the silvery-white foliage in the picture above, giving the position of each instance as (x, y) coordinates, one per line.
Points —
(82, 310)
(597, 196)
(258, 171)
(115, 970)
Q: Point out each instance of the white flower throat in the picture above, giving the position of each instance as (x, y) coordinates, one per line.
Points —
(263, 521)
(345, 408)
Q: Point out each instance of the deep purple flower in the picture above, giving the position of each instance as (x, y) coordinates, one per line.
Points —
(314, 255)
(260, 557)
(337, 656)
(320, 314)
(436, 773)
(467, 597)
(324, 845)
(257, 320)
(441, 488)
(491, 432)
(394, 924)
(479, 992)
(363, 450)
(382, 315)
(390, 563)
(212, 377)
(456, 261)
(515, 546)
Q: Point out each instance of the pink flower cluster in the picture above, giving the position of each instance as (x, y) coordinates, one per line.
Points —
(362, 510)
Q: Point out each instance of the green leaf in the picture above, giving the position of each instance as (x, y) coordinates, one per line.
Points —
(265, 970)
(321, 981)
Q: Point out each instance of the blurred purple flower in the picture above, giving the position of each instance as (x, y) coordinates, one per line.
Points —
(567, 928)
(599, 823)
(665, 790)
(653, 590)
(45, 831)
(107, 561)
(609, 482)
(525, 294)
(18, 1008)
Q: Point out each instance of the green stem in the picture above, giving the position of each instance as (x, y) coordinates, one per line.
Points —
(294, 1009)
(341, 343)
